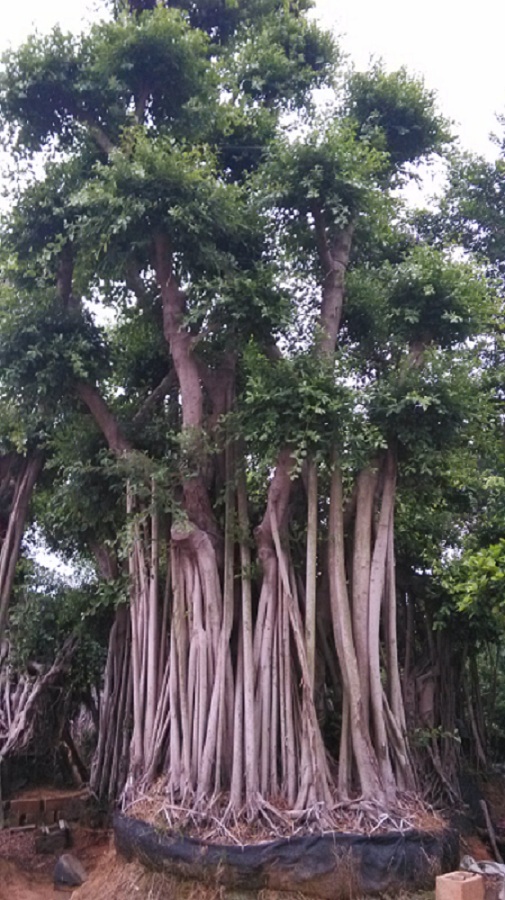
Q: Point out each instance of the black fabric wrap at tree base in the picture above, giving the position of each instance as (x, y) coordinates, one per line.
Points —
(329, 866)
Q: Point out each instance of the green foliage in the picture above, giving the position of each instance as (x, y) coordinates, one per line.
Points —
(44, 350)
(38, 228)
(282, 61)
(433, 506)
(425, 298)
(54, 85)
(219, 19)
(37, 97)
(139, 353)
(474, 577)
(16, 430)
(398, 113)
(472, 210)
(328, 169)
(471, 576)
(240, 134)
(157, 58)
(481, 577)
(78, 482)
(294, 403)
(46, 611)
(426, 408)
(156, 184)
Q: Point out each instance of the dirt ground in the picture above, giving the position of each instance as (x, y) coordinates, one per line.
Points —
(27, 875)
(18, 885)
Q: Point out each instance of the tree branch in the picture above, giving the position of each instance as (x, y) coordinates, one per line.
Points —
(159, 392)
(98, 134)
(272, 352)
(180, 342)
(106, 561)
(177, 335)
(141, 104)
(9, 553)
(334, 259)
(104, 418)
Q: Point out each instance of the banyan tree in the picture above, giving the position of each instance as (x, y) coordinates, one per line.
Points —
(213, 295)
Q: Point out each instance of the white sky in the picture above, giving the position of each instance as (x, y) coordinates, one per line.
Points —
(456, 46)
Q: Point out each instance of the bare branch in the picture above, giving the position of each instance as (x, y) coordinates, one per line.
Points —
(159, 392)
(103, 417)
(98, 134)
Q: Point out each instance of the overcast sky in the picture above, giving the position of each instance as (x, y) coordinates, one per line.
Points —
(457, 47)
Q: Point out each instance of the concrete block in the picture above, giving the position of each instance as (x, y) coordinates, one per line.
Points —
(460, 886)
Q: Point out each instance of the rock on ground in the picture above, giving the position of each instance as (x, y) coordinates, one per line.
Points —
(69, 872)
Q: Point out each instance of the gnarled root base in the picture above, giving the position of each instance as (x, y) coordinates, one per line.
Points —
(213, 818)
